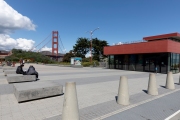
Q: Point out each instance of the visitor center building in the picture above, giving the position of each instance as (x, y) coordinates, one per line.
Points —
(160, 51)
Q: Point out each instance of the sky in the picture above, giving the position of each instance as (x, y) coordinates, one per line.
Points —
(25, 23)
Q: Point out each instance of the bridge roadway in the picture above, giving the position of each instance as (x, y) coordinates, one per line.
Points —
(97, 90)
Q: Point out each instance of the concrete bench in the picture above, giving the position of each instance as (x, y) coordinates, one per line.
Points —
(9, 72)
(12, 78)
(11, 75)
(35, 90)
(9, 68)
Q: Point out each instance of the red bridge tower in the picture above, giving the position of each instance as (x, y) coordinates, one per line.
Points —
(55, 43)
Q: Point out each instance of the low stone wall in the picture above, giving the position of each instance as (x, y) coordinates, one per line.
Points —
(35, 90)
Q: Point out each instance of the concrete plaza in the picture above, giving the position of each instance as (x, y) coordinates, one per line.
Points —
(97, 89)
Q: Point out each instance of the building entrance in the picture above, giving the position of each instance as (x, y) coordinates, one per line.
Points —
(118, 62)
(150, 64)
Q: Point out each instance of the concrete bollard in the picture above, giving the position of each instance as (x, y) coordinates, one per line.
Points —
(152, 87)
(170, 81)
(70, 105)
(123, 92)
(179, 80)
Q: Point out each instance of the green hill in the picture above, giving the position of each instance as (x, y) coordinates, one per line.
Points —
(18, 54)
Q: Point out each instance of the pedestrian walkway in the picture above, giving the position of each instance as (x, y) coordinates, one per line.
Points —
(97, 89)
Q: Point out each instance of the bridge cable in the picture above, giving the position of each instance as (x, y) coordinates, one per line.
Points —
(40, 42)
(44, 45)
(61, 43)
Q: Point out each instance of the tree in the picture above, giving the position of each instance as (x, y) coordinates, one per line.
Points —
(68, 56)
(97, 48)
(81, 48)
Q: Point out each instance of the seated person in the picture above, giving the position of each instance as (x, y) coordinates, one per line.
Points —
(9, 63)
(32, 71)
(19, 70)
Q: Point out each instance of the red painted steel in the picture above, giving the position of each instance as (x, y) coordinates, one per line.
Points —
(164, 36)
(144, 47)
(55, 43)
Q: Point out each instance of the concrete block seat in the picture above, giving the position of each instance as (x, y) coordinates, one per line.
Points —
(35, 90)
(14, 75)
(9, 72)
(9, 68)
(15, 78)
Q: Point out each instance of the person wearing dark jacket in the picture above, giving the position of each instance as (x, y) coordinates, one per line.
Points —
(19, 70)
(32, 71)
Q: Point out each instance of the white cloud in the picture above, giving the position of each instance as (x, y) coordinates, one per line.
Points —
(64, 51)
(46, 49)
(119, 43)
(8, 43)
(88, 55)
(11, 20)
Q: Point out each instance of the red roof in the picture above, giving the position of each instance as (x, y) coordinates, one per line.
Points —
(163, 36)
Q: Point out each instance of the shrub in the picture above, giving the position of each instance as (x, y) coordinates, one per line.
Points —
(86, 64)
(64, 63)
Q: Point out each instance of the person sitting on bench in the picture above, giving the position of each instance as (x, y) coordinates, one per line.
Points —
(19, 70)
(32, 71)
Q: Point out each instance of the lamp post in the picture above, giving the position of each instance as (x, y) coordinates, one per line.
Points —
(91, 33)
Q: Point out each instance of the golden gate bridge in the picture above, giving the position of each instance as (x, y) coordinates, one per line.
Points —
(56, 41)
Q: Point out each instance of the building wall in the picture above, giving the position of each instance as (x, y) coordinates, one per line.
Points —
(144, 47)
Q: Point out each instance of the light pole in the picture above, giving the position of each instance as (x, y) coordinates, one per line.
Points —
(91, 33)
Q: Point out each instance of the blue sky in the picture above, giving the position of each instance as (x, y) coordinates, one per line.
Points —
(119, 20)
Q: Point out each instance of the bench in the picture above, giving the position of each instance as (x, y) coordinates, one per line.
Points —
(8, 68)
(12, 78)
(6, 72)
(35, 90)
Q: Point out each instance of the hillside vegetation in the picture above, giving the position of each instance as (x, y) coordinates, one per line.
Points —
(18, 54)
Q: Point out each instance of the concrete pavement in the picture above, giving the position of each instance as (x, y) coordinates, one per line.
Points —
(97, 89)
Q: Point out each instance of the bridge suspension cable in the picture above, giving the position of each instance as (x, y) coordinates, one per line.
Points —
(60, 47)
(44, 45)
(61, 42)
(40, 42)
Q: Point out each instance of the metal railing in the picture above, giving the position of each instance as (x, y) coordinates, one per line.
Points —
(129, 42)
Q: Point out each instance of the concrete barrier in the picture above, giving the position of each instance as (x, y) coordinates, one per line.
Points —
(152, 86)
(20, 78)
(123, 92)
(9, 68)
(35, 90)
(170, 81)
(70, 105)
(9, 72)
(179, 80)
